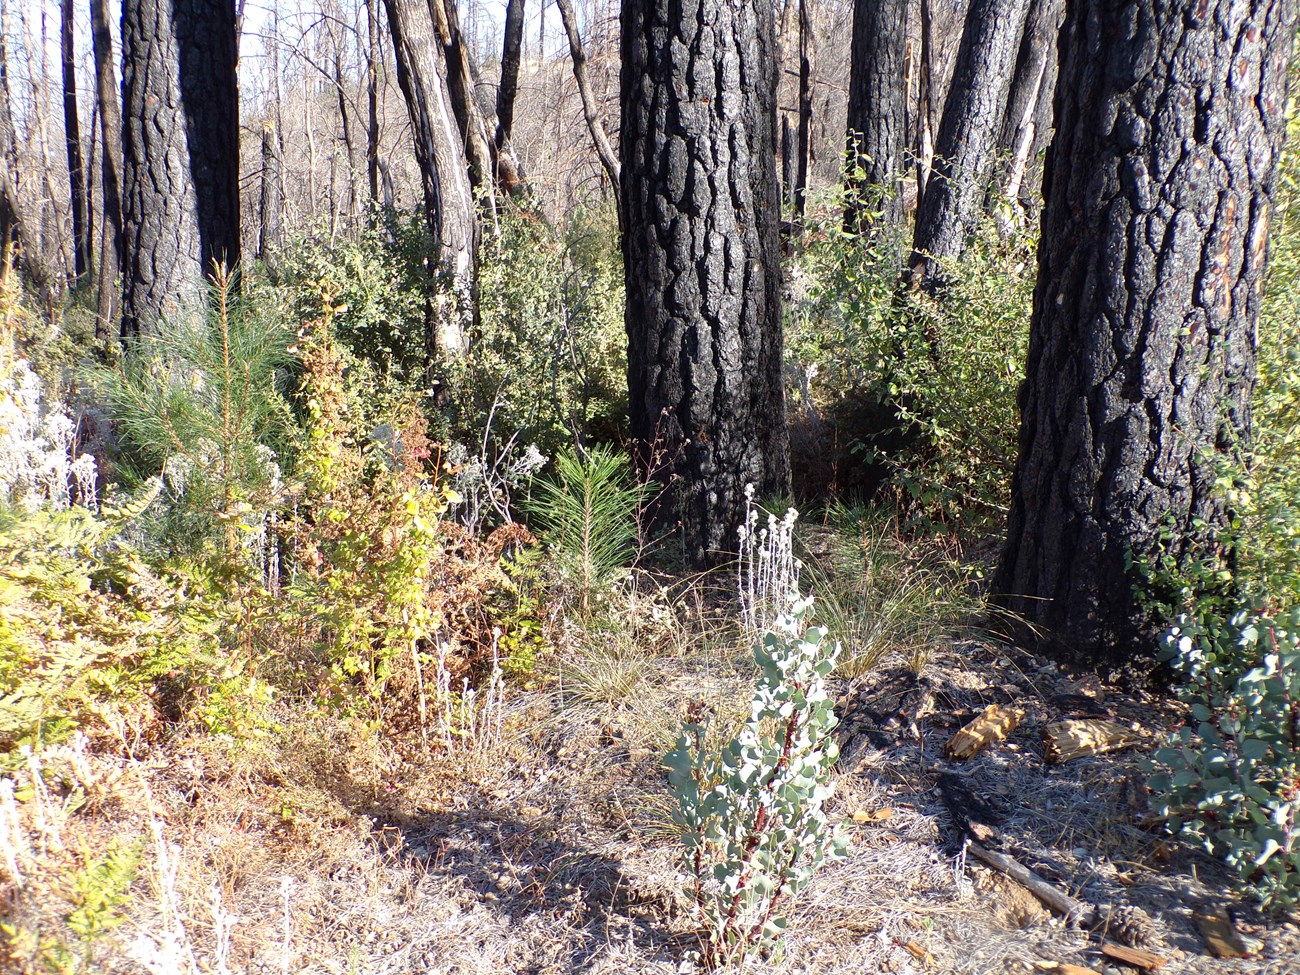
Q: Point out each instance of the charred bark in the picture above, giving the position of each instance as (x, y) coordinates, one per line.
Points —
(72, 139)
(700, 251)
(180, 156)
(963, 151)
(1169, 122)
(271, 202)
(110, 167)
(877, 115)
(511, 48)
(1025, 132)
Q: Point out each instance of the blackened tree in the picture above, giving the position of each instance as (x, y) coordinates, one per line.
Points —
(701, 257)
(1169, 121)
(968, 131)
(877, 118)
(180, 138)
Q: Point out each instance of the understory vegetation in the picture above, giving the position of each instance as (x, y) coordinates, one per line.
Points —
(271, 595)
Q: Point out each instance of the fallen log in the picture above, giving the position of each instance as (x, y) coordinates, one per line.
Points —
(1146, 960)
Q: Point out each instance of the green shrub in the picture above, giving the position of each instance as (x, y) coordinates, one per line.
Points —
(752, 816)
(938, 374)
(1232, 781)
(378, 285)
(548, 365)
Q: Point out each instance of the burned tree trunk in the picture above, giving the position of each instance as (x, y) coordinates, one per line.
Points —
(1025, 131)
(700, 252)
(181, 156)
(81, 248)
(972, 116)
(110, 167)
(877, 111)
(1169, 121)
(448, 200)
(511, 46)
(271, 202)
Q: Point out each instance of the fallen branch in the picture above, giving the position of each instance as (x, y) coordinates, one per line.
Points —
(1079, 738)
(1074, 911)
(993, 724)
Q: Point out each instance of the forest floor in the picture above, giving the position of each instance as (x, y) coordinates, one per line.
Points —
(326, 846)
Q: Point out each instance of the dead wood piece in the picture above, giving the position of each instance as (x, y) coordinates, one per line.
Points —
(1063, 968)
(992, 725)
(1220, 936)
(1136, 957)
(1077, 738)
(1074, 911)
(920, 953)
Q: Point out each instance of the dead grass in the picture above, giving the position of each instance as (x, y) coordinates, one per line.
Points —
(338, 846)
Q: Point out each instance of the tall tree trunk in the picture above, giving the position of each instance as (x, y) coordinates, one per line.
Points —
(511, 46)
(589, 112)
(72, 138)
(110, 166)
(1169, 122)
(487, 165)
(701, 258)
(877, 109)
(448, 199)
(181, 156)
(271, 201)
(972, 115)
(1023, 135)
(372, 100)
(345, 120)
(807, 44)
(924, 149)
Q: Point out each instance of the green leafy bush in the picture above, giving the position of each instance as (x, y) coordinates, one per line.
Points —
(548, 364)
(378, 284)
(922, 386)
(752, 815)
(1232, 781)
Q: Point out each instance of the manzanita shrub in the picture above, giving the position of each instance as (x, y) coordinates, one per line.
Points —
(753, 815)
(1232, 778)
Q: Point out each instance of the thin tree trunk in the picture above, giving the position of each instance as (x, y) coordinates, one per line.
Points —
(345, 119)
(110, 167)
(1169, 122)
(1023, 136)
(597, 129)
(511, 46)
(448, 198)
(72, 138)
(806, 55)
(925, 105)
(701, 260)
(878, 109)
(972, 115)
(372, 100)
(271, 202)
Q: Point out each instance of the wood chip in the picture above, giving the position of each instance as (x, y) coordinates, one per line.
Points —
(1077, 738)
(920, 953)
(1220, 936)
(1136, 957)
(993, 724)
(872, 815)
(1063, 968)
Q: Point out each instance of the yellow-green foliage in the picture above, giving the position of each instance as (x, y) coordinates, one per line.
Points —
(84, 626)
